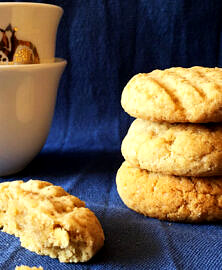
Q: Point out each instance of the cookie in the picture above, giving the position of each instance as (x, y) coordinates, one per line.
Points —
(24, 267)
(49, 221)
(178, 149)
(171, 198)
(175, 95)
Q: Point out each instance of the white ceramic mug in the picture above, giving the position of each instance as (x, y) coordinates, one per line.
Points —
(27, 100)
(28, 32)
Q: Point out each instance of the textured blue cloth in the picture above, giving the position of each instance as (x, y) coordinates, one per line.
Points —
(106, 42)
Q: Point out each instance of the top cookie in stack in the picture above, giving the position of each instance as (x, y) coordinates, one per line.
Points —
(173, 152)
(175, 95)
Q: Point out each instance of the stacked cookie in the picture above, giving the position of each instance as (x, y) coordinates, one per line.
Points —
(173, 150)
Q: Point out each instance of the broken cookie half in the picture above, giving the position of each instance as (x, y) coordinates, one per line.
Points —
(24, 267)
(49, 221)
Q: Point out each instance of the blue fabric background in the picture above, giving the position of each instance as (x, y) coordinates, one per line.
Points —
(106, 43)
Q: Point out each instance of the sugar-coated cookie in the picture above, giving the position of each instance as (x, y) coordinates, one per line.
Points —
(177, 149)
(175, 95)
(171, 198)
(49, 221)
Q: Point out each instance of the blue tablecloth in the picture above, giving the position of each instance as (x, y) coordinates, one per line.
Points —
(106, 42)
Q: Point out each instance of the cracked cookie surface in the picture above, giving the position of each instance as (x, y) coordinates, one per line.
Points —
(178, 149)
(175, 95)
(49, 221)
(171, 198)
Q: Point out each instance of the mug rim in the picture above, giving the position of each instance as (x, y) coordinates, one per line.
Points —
(30, 4)
(57, 62)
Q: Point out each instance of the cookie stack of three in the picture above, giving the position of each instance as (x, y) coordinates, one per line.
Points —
(173, 150)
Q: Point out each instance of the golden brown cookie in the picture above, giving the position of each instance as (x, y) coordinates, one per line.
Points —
(178, 149)
(175, 95)
(49, 221)
(171, 198)
(24, 267)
